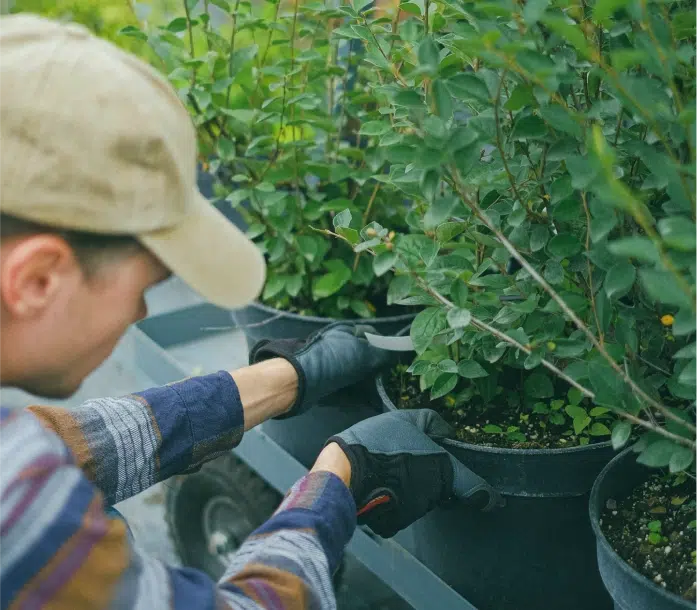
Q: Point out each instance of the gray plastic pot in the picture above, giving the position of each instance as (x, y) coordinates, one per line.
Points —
(538, 551)
(304, 436)
(629, 589)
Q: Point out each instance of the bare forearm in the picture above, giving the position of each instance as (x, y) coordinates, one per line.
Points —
(267, 389)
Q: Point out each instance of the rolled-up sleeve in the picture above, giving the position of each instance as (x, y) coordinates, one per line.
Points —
(124, 445)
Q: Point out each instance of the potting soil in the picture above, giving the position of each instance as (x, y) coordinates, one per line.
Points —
(470, 420)
(653, 530)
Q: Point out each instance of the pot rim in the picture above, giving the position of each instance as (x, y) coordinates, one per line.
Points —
(322, 320)
(387, 401)
(594, 515)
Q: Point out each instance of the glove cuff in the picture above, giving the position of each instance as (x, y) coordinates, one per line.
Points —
(286, 349)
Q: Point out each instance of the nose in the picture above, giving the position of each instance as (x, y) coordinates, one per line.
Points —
(142, 312)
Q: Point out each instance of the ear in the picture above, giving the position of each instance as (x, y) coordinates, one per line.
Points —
(33, 272)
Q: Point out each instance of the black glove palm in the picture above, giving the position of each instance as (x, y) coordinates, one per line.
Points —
(398, 473)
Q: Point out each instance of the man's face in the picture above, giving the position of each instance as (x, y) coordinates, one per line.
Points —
(60, 323)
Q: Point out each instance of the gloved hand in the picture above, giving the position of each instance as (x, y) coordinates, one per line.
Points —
(399, 473)
(333, 358)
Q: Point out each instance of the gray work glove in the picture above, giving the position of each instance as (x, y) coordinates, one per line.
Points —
(399, 473)
(333, 358)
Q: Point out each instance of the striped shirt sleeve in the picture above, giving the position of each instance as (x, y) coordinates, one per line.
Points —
(61, 550)
(125, 445)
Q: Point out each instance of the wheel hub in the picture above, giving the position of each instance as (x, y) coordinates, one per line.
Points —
(225, 525)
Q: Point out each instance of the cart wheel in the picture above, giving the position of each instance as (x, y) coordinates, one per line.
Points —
(211, 512)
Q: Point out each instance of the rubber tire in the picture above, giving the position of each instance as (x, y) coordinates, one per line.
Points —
(187, 496)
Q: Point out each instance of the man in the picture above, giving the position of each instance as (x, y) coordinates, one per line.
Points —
(98, 202)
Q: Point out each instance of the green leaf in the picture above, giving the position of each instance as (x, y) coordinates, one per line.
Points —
(177, 25)
(374, 128)
(604, 9)
(417, 248)
(443, 385)
(596, 411)
(688, 376)
(621, 432)
(274, 285)
(575, 411)
(468, 88)
(439, 211)
(564, 245)
(640, 248)
(601, 227)
(492, 429)
(583, 171)
(471, 369)
(293, 285)
(409, 98)
(657, 454)
(681, 459)
(529, 128)
(442, 98)
(561, 119)
(662, 286)
(399, 288)
(678, 232)
(574, 396)
(133, 32)
(342, 219)
(688, 351)
(598, 429)
(332, 282)
(428, 54)
(429, 184)
(538, 385)
(580, 424)
(459, 293)
(538, 237)
(619, 280)
(534, 9)
(383, 262)
(459, 318)
(570, 32)
(410, 7)
(426, 325)
(521, 96)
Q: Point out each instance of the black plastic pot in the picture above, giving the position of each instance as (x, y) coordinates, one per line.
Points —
(629, 589)
(261, 322)
(304, 436)
(537, 552)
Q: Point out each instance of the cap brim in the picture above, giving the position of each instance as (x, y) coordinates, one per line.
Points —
(211, 255)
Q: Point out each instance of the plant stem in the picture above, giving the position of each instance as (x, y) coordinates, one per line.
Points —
(190, 31)
(590, 268)
(499, 145)
(566, 309)
(233, 35)
(366, 215)
(548, 365)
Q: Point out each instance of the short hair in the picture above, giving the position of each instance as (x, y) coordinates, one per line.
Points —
(90, 249)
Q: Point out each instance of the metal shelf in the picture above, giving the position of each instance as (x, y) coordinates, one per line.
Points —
(200, 328)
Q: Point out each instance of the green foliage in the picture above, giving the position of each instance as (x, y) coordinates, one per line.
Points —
(294, 135)
(563, 134)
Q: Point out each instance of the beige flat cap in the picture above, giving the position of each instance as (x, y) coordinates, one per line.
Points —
(93, 139)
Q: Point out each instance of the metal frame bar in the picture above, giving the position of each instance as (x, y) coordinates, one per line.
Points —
(386, 559)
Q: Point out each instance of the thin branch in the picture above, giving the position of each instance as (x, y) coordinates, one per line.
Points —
(590, 268)
(499, 145)
(548, 365)
(233, 34)
(566, 309)
(366, 215)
